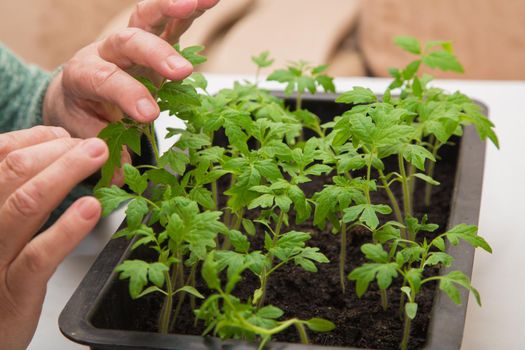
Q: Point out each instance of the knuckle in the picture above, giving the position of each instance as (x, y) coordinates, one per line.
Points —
(6, 142)
(124, 36)
(102, 75)
(35, 258)
(25, 201)
(16, 165)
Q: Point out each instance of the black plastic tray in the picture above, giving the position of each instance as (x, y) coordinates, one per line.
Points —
(447, 319)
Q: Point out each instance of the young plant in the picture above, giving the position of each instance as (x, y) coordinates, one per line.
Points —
(410, 259)
(228, 317)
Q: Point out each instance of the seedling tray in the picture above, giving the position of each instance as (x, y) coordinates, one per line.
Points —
(96, 317)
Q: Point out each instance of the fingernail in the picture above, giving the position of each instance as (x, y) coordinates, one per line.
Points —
(88, 208)
(60, 132)
(94, 147)
(146, 108)
(177, 63)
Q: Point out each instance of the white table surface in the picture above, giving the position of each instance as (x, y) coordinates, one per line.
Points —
(499, 277)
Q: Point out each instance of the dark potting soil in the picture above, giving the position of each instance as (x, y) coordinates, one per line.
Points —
(360, 322)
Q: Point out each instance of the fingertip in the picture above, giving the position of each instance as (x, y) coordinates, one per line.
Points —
(179, 67)
(89, 208)
(147, 110)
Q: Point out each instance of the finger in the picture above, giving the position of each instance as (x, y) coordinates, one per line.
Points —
(118, 176)
(14, 140)
(32, 268)
(24, 211)
(133, 46)
(92, 78)
(153, 15)
(177, 26)
(21, 165)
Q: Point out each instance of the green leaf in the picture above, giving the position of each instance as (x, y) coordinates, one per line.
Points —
(263, 60)
(210, 272)
(468, 233)
(190, 290)
(136, 182)
(198, 81)
(138, 272)
(116, 136)
(448, 284)
(416, 155)
(443, 60)
(363, 275)
(375, 252)
(410, 70)
(148, 84)
(439, 258)
(177, 94)
(270, 311)
(239, 241)
(135, 212)
(411, 310)
(202, 196)
(191, 53)
(110, 198)
(320, 325)
(175, 160)
(264, 201)
(248, 226)
(427, 179)
(357, 95)
(193, 141)
(408, 43)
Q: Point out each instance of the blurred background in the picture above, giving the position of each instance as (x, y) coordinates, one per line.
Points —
(354, 37)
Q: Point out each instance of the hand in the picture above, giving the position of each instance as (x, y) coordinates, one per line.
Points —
(38, 168)
(96, 85)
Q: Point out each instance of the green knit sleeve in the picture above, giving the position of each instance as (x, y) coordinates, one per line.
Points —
(22, 90)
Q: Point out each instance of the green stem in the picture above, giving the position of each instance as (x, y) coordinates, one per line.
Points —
(411, 181)
(430, 172)
(265, 275)
(407, 205)
(393, 201)
(215, 194)
(342, 257)
(384, 299)
(165, 313)
(302, 333)
(149, 131)
(406, 332)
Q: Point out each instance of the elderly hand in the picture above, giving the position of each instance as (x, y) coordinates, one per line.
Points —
(32, 183)
(97, 86)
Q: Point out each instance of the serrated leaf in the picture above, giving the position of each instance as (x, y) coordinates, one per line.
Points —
(191, 53)
(468, 233)
(408, 43)
(443, 60)
(110, 198)
(135, 212)
(448, 284)
(374, 252)
(116, 136)
(263, 60)
(136, 182)
(357, 95)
